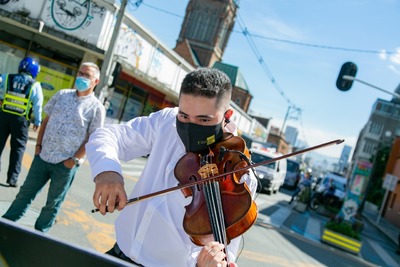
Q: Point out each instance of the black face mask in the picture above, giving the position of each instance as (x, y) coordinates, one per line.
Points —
(198, 137)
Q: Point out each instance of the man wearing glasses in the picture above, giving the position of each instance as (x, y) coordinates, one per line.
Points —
(72, 115)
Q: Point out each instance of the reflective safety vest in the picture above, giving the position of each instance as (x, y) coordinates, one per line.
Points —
(18, 93)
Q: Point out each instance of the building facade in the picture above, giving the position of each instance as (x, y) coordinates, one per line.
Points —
(344, 159)
(291, 134)
(241, 95)
(205, 31)
(63, 34)
(379, 131)
(391, 209)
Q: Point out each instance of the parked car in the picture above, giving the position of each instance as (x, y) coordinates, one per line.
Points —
(272, 175)
(292, 177)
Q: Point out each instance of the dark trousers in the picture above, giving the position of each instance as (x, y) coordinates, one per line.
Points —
(39, 174)
(116, 252)
(17, 127)
(296, 192)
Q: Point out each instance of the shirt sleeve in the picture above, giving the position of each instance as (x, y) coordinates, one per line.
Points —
(98, 118)
(37, 102)
(114, 142)
(50, 104)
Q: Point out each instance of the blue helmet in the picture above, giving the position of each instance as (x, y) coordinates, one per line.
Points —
(30, 66)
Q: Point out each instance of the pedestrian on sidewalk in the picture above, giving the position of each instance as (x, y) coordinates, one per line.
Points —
(305, 182)
(151, 232)
(72, 115)
(19, 94)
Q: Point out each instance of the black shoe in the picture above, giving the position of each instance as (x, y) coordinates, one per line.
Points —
(13, 185)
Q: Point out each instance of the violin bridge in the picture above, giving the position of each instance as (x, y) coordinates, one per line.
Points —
(208, 170)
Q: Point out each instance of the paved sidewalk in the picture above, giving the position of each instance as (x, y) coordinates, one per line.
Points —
(387, 228)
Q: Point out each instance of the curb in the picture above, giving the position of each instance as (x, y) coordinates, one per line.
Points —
(381, 229)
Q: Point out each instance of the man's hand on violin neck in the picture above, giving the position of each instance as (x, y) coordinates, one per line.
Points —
(213, 255)
(110, 192)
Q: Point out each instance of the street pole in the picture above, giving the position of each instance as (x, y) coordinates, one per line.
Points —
(284, 121)
(109, 55)
(352, 78)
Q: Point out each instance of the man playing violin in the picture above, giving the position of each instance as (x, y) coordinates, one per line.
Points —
(150, 232)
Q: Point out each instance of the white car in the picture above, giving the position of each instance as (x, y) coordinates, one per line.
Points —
(272, 175)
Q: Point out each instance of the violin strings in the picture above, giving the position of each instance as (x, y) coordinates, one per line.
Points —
(214, 205)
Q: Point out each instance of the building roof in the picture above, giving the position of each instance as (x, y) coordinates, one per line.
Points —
(234, 74)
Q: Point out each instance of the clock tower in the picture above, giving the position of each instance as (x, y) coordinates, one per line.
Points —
(205, 31)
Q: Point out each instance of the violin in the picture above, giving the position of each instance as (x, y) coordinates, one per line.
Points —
(221, 209)
(184, 187)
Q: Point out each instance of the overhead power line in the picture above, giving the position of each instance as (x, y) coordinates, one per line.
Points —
(261, 60)
(323, 46)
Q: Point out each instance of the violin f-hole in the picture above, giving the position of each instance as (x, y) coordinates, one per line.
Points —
(198, 186)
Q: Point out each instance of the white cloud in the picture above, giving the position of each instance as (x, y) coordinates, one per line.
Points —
(395, 58)
(383, 55)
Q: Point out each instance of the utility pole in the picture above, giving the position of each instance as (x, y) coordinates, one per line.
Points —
(287, 117)
(109, 55)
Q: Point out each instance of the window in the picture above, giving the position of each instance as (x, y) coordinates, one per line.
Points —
(375, 128)
(369, 147)
(397, 112)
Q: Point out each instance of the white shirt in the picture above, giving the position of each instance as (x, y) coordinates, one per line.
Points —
(150, 232)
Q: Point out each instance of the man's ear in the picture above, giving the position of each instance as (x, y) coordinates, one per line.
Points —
(228, 115)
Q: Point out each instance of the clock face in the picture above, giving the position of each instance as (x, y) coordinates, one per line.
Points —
(70, 14)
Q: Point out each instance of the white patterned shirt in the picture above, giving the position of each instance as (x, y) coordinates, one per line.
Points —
(72, 120)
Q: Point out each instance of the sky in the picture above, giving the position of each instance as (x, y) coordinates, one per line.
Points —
(303, 45)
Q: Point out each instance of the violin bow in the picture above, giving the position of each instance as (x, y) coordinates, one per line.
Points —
(180, 187)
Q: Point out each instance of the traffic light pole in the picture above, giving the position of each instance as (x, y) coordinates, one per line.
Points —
(106, 66)
(351, 78)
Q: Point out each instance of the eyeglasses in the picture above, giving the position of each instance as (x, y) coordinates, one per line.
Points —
(84, 75)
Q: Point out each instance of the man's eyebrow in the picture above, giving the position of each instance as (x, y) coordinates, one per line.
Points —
(204, 117)
(182, 113)
(198, 116)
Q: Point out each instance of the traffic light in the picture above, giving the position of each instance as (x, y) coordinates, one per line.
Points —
(115, 74)
(348, 69)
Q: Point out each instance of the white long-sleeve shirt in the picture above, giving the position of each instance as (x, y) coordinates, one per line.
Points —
(150, 232)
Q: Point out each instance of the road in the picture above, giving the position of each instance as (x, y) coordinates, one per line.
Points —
(280, 237)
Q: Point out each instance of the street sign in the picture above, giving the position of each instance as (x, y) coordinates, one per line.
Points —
(390, 182)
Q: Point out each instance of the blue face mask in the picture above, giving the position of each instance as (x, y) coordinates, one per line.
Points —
(82, 84)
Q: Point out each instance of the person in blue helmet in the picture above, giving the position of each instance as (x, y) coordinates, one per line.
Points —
(19, 93)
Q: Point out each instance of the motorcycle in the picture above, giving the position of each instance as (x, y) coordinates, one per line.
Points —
(327, 198)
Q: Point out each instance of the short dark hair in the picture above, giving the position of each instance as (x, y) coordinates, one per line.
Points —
(209, 83)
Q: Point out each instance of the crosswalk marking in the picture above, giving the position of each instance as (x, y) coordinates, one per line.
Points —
(382, 253)
(313, 229)
(278, 217)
